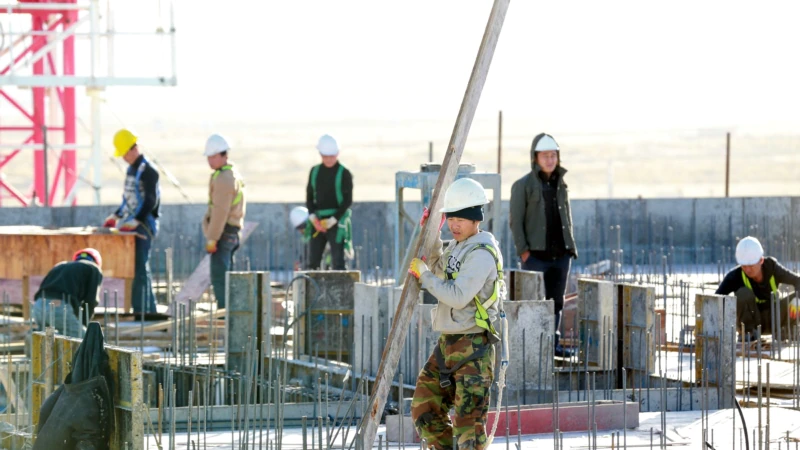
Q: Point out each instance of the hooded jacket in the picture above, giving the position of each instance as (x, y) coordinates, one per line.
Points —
(477, 272)
(527, 217)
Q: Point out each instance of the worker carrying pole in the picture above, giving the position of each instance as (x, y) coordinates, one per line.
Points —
(224, 218)
(67, 289)
(467, 280)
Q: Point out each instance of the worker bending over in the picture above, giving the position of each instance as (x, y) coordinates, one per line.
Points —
(754, 282)
(69, 288)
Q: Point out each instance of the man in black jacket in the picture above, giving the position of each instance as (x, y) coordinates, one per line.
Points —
(329, 194)
(755, 282)
(67, 289)
(138, 212)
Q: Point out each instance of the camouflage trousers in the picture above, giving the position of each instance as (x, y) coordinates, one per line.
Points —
(468, 394)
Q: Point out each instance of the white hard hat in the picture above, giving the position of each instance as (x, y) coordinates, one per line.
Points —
(216, 144)
(327, 145)
(544, 143)
(749, 251)
(463, 193)
(298, 215)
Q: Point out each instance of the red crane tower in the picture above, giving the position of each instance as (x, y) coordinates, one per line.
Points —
(38, 78)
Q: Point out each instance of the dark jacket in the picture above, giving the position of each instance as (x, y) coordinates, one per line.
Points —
(733, 281)
(528, 219)
(141, 198)
(75, 281)
(325, 196)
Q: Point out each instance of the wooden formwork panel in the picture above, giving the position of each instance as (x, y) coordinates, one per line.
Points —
(126, 365)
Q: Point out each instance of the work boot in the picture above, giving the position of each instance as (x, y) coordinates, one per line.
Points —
(561, 351)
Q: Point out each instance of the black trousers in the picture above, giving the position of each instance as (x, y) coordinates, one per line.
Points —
(749, 313)
(556, 274)
(316, 247)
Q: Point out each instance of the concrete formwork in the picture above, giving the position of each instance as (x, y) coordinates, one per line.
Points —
(637, 350)
(598, 315)
(247, 315)
(327, 328)
(524, 285)
(531, 328)
(715, 338)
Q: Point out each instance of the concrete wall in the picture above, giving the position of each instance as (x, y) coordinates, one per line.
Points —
(646, 227)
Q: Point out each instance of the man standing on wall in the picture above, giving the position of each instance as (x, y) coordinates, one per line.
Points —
(329, 194)
(225, 215)
(138, 212)
(541, 223)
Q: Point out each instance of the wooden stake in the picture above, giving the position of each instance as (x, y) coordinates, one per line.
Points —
(429, 233)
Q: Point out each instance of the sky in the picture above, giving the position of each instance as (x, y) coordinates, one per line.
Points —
(640, 76)
(622, 65)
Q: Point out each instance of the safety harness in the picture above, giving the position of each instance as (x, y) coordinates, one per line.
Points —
(239, 184)
(344, 225)
(482, 320)
(772, 284)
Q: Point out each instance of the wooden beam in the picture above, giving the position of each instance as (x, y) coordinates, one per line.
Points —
(429, 234)
(200, 279)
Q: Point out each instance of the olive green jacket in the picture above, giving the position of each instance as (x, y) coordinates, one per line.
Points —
(527, 216)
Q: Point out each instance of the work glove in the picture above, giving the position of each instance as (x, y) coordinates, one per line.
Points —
(329, 223)
(418, 267)
(111, 221)
(129, 225)
(425, 214)
(211, 246)
(316, 222)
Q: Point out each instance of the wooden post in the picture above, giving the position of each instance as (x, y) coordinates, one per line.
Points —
(411, 288)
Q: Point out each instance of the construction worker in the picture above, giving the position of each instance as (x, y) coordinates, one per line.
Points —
(225, 215)
(68, 289)
(329, 195)
(754, 282)
(541, 223)
(298, 217)
(467, 281)
(138, 212)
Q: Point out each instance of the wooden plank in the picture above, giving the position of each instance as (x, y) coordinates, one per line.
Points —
(429, 234)
(200, 279)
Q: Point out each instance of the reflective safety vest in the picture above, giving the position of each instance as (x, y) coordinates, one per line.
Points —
(481, 313)
(771, 284)
(239, 184)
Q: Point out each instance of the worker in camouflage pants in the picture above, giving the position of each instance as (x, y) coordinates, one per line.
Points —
(469, 393)
(467, 281)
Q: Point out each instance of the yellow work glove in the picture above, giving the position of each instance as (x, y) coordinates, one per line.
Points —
(211, 246)
(317, 223)
(329, 223)
(418, 267)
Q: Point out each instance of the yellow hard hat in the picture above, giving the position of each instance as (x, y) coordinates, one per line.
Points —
(124, 140)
